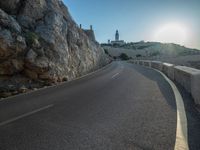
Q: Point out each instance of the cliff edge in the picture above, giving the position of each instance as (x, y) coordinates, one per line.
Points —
(41, 44)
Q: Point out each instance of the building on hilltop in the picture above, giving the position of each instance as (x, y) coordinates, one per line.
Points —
(117, 36)
(117, 40)
(89, 33)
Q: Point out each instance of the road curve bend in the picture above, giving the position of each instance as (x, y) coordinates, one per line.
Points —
(122, 107)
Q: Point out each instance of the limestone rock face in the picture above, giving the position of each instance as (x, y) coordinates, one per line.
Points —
(10, 6)
(7, 21)
(40, 41)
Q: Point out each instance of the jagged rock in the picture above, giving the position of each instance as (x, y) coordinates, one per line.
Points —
(5, 94)
(40, 52)
(90, 34)
(11, 66)
(31, 56)
(31, 74)
(6, 41)
(35, 63)
(17, 64)
(40, 40)
(45, 76)
(10, 45)
(54, 27)
(26, 22)
(36, 44)
(9, 22)
(35, 9)
(23, 89)
(10, 6)
(21, 40)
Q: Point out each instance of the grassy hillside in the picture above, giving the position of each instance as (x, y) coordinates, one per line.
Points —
(150, 49)
(170, 52)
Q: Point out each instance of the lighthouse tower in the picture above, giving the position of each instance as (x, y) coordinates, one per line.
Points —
(117, 41)
(117, 36)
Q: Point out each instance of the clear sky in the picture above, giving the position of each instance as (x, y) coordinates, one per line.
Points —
(176, 21)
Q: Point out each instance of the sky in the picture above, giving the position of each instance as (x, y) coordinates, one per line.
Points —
(167, 21)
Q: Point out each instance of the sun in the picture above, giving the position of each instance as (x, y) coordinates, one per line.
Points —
(171, 33)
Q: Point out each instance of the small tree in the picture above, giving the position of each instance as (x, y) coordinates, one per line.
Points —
(156, 53)
(31, 37)
(124, 56)
(106, 51)
(138, 55)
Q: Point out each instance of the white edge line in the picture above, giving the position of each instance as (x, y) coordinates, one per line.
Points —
(181, 130)
(115, 75)
(25, 115)
(181, 142)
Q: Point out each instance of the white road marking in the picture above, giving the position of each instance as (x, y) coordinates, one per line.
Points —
(115, 75)
(25, 115)
(181, 129)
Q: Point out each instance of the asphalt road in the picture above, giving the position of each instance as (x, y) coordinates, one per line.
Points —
(122, 107)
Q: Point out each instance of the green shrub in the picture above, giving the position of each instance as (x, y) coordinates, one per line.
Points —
(106, 51)
(114, 57)
(31, 37)
(138, 55)
(124, 56)
(155, 53)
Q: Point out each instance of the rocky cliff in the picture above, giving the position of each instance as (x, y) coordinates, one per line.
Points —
(40, 44)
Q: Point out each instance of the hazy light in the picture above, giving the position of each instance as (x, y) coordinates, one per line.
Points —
(172, 33)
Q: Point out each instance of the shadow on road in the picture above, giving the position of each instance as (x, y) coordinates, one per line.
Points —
(163, 85)
(193, 115)
(193, 119)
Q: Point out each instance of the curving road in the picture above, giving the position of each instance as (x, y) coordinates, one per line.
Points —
(122, 107)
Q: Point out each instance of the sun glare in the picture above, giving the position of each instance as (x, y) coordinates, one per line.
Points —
(171, 33)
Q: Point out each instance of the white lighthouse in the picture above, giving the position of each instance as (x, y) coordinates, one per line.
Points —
(117, 41)
(117, 36)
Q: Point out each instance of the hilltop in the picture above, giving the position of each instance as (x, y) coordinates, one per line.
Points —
(150, 49)
(169, 52)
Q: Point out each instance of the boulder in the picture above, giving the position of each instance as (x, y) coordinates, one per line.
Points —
(23, 89)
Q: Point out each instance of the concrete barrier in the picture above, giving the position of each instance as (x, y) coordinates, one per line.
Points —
(189, 78)
(141, 62)
(196, 87)
(147, 63)
(157, 65)
(132, 61)
(135, 62)
(182, 75)
(168, 69)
